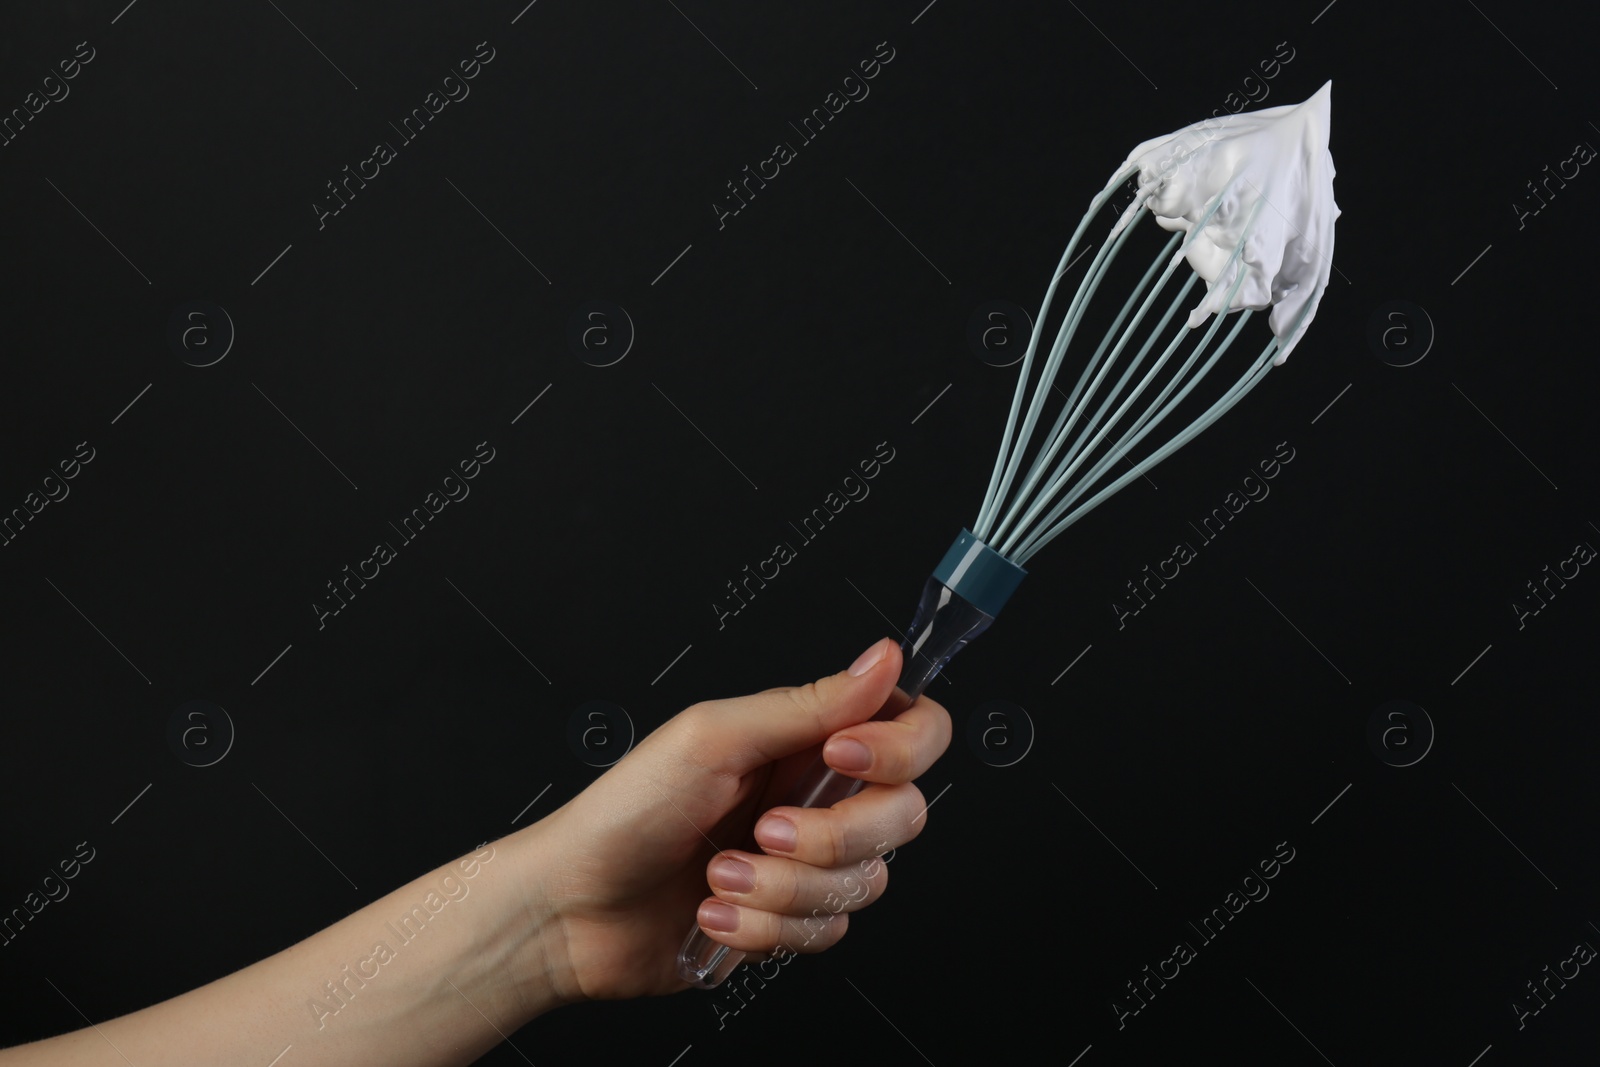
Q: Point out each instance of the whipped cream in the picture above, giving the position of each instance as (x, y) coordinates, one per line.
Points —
(1273, 164)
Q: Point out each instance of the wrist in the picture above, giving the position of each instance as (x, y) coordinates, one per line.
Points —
(523, 940)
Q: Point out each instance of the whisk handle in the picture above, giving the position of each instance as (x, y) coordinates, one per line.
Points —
(945, 621)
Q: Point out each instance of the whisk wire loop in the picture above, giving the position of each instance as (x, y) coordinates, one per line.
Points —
(1071, 410)
(991, 495)
(1096, 273)
(1059, 434)
(1258, 370)
(1082, 449)
(1014, 520)
(1011, 452)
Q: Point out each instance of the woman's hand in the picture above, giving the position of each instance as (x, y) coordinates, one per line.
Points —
(591, 902)
(626, 863)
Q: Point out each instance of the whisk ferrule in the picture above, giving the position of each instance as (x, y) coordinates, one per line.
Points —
(977, 573)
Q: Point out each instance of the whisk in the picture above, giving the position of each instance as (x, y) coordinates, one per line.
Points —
(1249, 199)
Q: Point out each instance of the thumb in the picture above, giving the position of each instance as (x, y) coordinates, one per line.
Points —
(751, 731)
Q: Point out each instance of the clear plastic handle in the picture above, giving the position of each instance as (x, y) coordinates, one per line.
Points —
(944, 623)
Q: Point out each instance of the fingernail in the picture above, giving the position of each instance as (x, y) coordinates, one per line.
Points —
(869, 659)
(734, 875)
(847, 754)
(776, 833)
(723, 918)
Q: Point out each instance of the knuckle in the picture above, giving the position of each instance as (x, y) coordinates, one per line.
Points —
(814, 932)
(890, 745)
(803, 696)
(693, 723)
(787, 891)
(696, 712)
(808, 698)
(695, 733)
(765, 930)
(834, 843)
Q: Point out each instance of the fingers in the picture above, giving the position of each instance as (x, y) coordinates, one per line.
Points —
(893, 750)
(821, 864)
(789, 887)
(762, 932)
(763, 902)
(739, 734)
(879, 817)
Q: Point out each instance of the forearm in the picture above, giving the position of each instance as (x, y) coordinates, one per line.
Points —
(435, 973)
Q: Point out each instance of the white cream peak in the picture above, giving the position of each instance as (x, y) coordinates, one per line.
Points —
(1271, 176)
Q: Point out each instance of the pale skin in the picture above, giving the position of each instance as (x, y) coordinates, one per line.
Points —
(590, 903)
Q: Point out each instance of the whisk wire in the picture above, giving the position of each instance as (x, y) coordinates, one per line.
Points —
(1043, 532)
(1079, 402)
(1080, 449)
(1071, 409)
(991, 496)
(1131, 435)
(1227, 400)
(1258, 371)
(1144, 422)
(1096, 273)
(1078, 452)
(1236, 392)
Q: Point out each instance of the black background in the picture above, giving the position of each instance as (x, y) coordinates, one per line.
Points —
(1176, 753)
